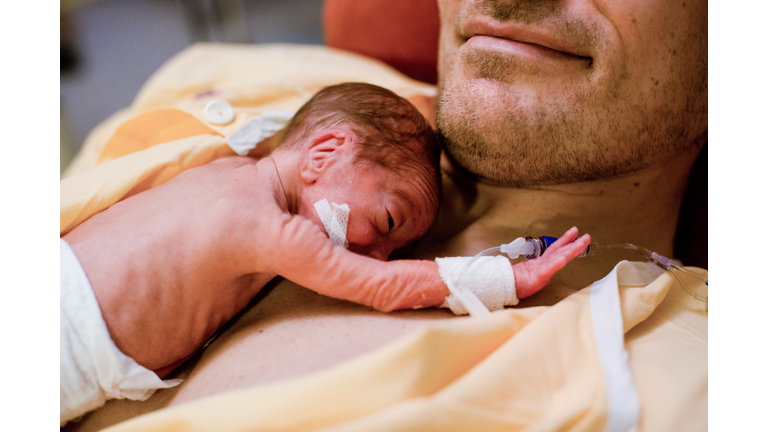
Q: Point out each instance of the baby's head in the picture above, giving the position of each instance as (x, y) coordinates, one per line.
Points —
(367, 147)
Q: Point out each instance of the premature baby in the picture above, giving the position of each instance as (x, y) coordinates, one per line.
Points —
(353, 144)
(366, 147)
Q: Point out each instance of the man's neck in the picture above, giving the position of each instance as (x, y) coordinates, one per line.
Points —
(641, 208)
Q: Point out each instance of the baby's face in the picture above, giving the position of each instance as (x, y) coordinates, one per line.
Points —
(388, 211)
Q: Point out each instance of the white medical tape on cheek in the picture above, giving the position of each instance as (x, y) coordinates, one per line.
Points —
(334, 221)
(340, 220)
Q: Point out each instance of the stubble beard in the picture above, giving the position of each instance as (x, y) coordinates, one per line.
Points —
(504, 138)
(524, 141)
(512, 123)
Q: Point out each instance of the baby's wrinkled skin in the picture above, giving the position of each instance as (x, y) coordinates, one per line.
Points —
(272, 229)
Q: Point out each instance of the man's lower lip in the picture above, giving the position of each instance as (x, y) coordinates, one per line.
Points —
(531, 52)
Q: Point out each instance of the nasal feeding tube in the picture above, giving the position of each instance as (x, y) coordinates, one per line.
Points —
(534, 247)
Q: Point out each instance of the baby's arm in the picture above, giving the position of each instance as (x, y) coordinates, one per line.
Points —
(303, 254)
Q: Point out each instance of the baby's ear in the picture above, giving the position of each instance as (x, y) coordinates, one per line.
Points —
(324, 150)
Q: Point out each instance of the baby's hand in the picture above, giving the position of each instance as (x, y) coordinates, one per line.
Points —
(535, 274)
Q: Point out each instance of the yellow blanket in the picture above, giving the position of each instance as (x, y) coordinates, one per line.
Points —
(536, 369)
(532, 369)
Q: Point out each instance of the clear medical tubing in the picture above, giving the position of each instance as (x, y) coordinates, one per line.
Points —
(534, 247)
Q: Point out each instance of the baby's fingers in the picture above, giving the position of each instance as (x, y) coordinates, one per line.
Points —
(565, 240)
(548, 265)
(558, 258)
(532, 275)
(572, 250)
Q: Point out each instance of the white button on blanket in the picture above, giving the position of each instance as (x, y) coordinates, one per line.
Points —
(490, 278)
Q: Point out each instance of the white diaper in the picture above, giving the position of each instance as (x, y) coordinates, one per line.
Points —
(92, 368)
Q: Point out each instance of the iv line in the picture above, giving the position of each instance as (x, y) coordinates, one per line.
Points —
(534, 247)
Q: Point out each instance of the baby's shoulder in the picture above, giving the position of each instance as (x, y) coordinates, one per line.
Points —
(225, 173)
(232, 162)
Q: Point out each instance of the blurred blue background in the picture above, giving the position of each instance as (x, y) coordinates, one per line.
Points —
(109, 48)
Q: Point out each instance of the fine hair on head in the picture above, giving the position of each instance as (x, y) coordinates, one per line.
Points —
(390, 131)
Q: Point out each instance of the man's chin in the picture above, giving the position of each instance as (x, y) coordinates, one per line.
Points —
(498, 101)
(504, 148)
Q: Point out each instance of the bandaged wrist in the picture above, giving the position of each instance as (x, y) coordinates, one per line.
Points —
(490, 278)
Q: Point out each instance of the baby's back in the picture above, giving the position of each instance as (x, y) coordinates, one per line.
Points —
(139, 258)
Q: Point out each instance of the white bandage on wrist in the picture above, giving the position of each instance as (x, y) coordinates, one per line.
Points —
(490, 278)
(334, 221)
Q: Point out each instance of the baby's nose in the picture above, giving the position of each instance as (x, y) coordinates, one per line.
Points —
(379, 254)
(376, 251)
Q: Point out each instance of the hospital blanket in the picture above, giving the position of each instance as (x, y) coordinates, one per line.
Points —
(543, 369)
